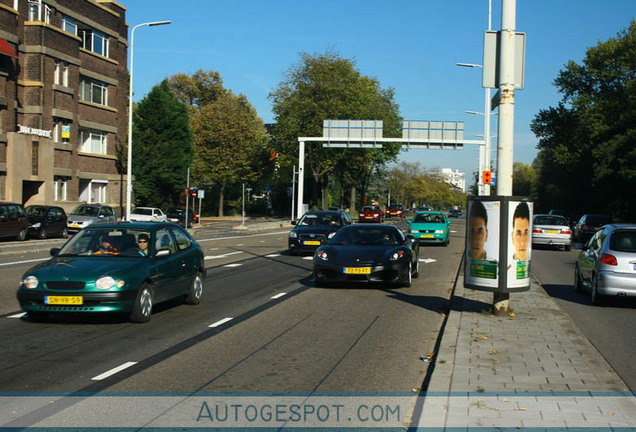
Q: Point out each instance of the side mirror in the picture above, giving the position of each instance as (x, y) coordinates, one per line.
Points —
(54, 251)
(408, 221)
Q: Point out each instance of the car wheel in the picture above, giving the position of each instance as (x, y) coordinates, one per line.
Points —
(143, 305)
(319, 282)
(597, 299)
(409, 276)
(568, 248)
(291, 252)
(22, 235)
(416, 273)
(64, 233)
(37, 316)
(196, 290)
(42, 233)
(577, 279)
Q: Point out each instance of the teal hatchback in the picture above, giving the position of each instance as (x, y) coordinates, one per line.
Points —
(430, 227)
(123, 267)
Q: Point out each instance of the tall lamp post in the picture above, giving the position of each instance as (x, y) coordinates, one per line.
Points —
(130, 114)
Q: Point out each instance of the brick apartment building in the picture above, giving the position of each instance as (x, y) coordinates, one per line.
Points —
(63, 87)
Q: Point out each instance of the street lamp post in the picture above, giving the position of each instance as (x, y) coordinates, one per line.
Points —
(130, 113)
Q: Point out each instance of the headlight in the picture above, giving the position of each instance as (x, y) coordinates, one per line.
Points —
(107, 283)
(293, 234)
(30, 282)
(331, 235)
(36, 225)
(440, 231)
(397, 255)
(322, 255)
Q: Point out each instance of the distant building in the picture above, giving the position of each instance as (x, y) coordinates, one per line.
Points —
(454, 178)
(63, 99)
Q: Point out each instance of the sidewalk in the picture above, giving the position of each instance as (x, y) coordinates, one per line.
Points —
(533, 369)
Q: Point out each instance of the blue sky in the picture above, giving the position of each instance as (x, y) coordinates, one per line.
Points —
(410, 45)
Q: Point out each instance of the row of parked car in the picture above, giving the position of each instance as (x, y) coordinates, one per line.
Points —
(43, 221)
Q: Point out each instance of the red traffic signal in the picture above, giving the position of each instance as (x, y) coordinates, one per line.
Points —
(487, 177)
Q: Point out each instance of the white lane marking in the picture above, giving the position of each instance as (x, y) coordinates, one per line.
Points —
(20, 315)
(453, 231)
(427, 260)
(24, 262)
(220, 322)
(272, 255)
(262, 241)
(113, 371)
(233, 265)
(240, 244)
(242, 237)
(222, 256)
(308, 258)
(279, 295)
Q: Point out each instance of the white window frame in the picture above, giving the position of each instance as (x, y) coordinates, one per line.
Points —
(61, 184)
(101, 40)
(34, 10)
(65, 74)
(56, 71)
(93, 141)
(47, 14)
(69, 25)
(88, 87)
(15, 4)
(101, 187)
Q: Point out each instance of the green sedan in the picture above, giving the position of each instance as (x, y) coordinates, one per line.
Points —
(124, 267)
(430, 227)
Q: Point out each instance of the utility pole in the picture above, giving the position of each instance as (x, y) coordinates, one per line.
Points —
(501, 301)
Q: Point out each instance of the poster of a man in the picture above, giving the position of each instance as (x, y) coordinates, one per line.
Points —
(477, 230)
(519, 247)
(520, 231)
(482, 243)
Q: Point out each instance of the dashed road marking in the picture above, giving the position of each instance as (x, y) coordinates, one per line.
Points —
(113, 371)
(20, 315)
(308, 258)
(222, 256)
(427, 260)
(233, 265)
(220, 322)
(278, 295)
(272, 255)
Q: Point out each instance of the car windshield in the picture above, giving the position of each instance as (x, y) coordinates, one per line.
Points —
(143, 211)
(550, 220)
(395, 207)
(319, 220)
(86, 211)
(428, 218)
(623, 241)
(106, 242)
(363, 236)
(36, 211)
(370, 209)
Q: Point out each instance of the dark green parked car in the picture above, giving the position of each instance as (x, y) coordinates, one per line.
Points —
(105, 268)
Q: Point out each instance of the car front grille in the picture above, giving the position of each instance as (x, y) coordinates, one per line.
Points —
(319, 237)
(65, 285)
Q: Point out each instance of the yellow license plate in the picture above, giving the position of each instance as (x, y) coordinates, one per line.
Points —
(75, 226)
(552, 231)
(428, 236)
(63, 300)
(357, 270)
(312, 243)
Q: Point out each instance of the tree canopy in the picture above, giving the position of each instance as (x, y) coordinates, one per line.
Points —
(327, 86)
(587, 143)
(162, 148)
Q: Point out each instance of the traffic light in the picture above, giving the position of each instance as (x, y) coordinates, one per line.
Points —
(487, 177)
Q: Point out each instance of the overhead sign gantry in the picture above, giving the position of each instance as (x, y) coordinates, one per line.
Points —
(448, 135)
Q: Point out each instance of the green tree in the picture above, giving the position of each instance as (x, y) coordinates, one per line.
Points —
(524, 180)
(587, 144)
(326, 86)
(230, 143)
(162, 148)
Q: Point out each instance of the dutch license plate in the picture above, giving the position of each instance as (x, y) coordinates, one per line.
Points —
(428, 236)
(312, 242)
(552, 231)
(357, 270)
(63, 300)
(75, 226)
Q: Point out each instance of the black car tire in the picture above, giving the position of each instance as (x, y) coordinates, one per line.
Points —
(567, 248)
(64, 233)
(416, 273)
(291, 252)
(22, 235)
(597, 299)
(143, 305)
(577, 280)
(196, 290)
(409, 276)
(42, 233)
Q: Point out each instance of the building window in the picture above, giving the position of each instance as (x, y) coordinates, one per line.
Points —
(95, 41)
(65, 74)
(35, 7)
(61, 130)
(93, 141)
(93, 91)
(56, 71)
(47, 14)
(60, 188)
(93, 191)
(69, 25)
(34, 157)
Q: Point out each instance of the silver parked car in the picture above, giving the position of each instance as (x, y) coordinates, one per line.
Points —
(551, 230)
(87, 214)
(607, 264)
